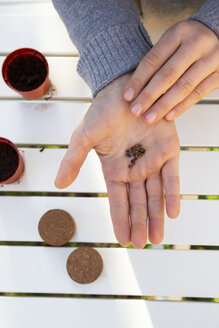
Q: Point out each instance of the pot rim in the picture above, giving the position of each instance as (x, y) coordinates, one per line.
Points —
(19, 53)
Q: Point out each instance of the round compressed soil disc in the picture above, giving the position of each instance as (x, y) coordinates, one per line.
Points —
(56, 227)
(84, 265)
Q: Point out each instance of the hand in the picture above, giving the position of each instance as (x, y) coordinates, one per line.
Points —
(177, 72)
(110, 129)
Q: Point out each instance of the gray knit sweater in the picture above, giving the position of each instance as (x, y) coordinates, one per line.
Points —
(110, 38)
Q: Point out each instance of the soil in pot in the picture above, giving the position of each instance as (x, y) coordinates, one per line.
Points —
(8, 161)
(27, 73)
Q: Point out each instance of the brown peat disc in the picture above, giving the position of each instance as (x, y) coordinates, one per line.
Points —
(56, 227)
(84, 265)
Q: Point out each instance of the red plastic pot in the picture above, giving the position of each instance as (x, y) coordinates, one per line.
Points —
(20, 53)
(20, 167)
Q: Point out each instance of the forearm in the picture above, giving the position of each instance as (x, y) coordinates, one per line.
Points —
(209, 15)
(109, 36)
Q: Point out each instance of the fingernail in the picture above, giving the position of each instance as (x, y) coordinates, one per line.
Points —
(129, 94)
(170, 115)
(150, 117)
(136, 109)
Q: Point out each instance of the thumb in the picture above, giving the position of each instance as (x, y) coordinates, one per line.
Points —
(75, 156)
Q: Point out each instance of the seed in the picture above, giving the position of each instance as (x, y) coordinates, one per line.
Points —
(135, 151)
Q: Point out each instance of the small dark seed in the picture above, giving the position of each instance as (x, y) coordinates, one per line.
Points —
(136, 152)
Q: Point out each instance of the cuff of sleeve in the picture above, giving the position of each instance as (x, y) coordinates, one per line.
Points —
(208, 15)
(206, 22)
(112, 53)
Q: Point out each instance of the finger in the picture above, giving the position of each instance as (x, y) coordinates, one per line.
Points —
(155, 58)
(183, 87)
(138, 214)
(119, 209)
(74, 158)
(155, 208)
(160, 152)
(167, 75)
(208, 85)
(170, 177)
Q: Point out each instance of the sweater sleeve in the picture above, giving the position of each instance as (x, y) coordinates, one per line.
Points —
(109, 36)
(209, 15)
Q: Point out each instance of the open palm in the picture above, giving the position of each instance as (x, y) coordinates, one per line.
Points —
(134, 193)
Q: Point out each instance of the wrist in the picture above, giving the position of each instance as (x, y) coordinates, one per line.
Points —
(115, 86)
(208, 15)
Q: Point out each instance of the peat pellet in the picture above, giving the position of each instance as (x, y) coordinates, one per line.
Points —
(84, 265)
(56, 227)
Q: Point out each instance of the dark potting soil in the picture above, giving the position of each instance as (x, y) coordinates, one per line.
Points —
(8, 161)
(27, 73)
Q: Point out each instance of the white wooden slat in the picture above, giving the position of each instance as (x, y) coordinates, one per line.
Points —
(126, 272)
(41, 169)
(201, 123)
(55, 121)
(213, 95)
(197, 223)
(44, 33)
(27, 8)
(19, 217)
(66, 80)
(198, 126)
(64, 77)
(22, 1)
(19, 312)
(198, 172)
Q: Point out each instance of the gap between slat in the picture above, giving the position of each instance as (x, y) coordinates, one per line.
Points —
(122, 297)
(65, 146)
(112, 245)
(83, 194)
(88, 100)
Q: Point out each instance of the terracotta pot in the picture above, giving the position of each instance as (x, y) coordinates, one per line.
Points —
(20, 166)
(26, 52)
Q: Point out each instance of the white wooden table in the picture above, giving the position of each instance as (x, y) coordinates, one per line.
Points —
(35, 290)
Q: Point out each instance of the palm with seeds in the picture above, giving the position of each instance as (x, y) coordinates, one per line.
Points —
(134, 193)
